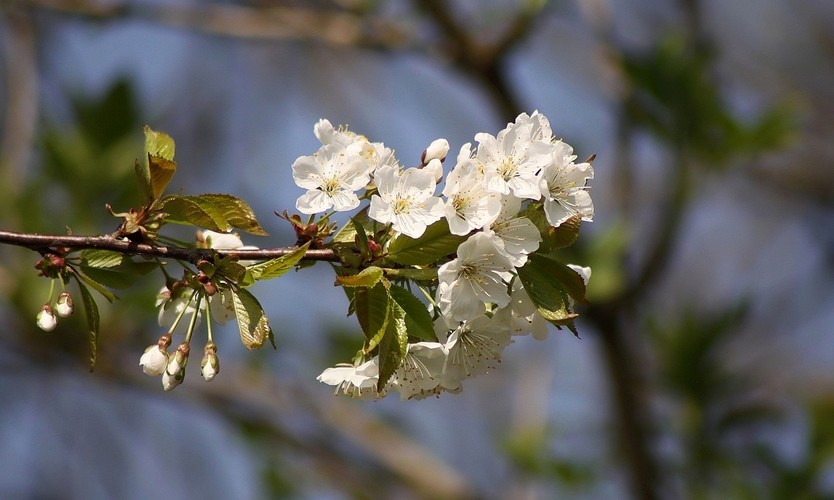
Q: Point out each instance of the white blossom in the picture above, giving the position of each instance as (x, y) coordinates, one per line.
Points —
(518, 235)
(330, 176)
(421, 371)
(374, 153)
(513, 159)
(469, 205)
(355, 381)
(521, 316)
(564, 187)
(478, 276)
(405, 200)
(474, 347)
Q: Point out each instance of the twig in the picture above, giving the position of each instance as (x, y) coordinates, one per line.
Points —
(46, 242)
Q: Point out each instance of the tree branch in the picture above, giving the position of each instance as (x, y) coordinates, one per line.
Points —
(46, 243)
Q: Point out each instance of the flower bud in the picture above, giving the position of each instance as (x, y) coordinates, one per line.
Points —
(436, 168)
(155, 359)
(63, 307)
(437, 150)
(210, 365)
(175, 371)
(46, 319)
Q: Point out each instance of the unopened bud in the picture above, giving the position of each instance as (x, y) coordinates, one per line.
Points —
(374, 247)
(437, 150)
(155, 359)
(46, 319)
(436, 168)
(175, 371)
(210, 365)
(63, 307)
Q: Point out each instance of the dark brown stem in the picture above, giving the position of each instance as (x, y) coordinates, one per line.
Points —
(46, 242)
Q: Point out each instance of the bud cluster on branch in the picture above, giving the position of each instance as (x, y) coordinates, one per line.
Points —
(440, 283)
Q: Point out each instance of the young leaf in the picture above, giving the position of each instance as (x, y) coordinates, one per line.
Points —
(160, 165)
(251, 320)
(371, 305)
(113, 269)
(393, 345)
(417, 318)
(162, 171)
(278, 266)
(435, 243)
(93, 321)
(158, 144)
(143, 178)
(217, 212)
(367, 278)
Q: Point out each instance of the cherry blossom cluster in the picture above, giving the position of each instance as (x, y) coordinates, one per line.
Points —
(477, 303)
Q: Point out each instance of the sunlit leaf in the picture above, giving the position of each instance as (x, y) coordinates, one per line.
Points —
(160, 166)
(276, 267)
(251, 320)
(217, 212)
(367, 277)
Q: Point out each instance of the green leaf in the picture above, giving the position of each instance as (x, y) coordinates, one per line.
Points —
(162, 171)
(570, 279)
(143, 178)
(113, 269)
(367, 278)
(251, 320)
(548, 294)
(427, 274)
(107, 294)
(93, 320)
(276, 267)
(160, 166)
(159, 144)
(371, 306)
(393, 345)
(436, 243)
(217, 212)
(418, 321)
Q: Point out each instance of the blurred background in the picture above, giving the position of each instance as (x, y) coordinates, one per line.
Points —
(704, 364)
